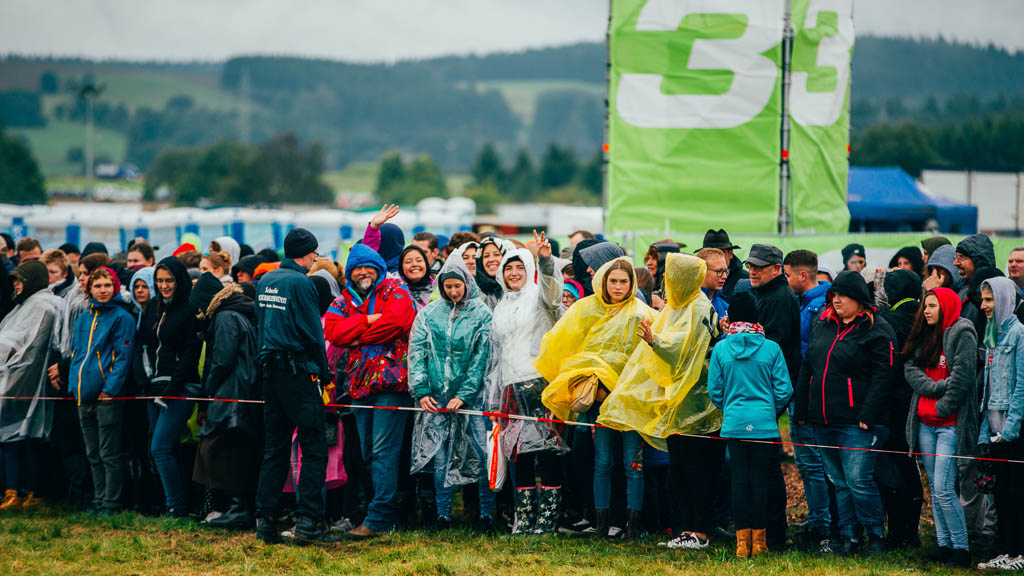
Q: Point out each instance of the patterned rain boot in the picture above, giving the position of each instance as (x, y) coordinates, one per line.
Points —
(549, 503)
(11, 500)
(526, 511)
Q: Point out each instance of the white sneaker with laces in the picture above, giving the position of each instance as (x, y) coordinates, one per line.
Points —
(686, 541)
(993, 563)
(1012, 564)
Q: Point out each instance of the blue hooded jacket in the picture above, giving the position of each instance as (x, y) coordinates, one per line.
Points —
(392, 242)
(362, 255)
(749, 382)
(101, 350)
(811, 303)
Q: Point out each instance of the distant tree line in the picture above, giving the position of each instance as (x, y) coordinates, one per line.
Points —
(561, 178)
(279, 171)
(21, 181)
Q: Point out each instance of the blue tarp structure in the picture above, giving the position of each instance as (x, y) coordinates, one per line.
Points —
(887, 199)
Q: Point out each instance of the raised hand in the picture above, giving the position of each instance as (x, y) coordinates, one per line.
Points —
(543, 246)
(387, 212)
(644, 331)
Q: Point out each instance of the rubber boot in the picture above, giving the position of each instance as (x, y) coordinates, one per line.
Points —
(31, 501)
(634, 525)
(549, 502)
(601, 517)
(309, 531)
(266, 530)
(758, 542)
(526, 511)
(743, 538)
(11, 500)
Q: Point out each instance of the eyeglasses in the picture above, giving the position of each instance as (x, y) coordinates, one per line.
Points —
(721, 273)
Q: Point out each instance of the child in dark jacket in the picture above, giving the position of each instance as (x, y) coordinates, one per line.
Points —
(101, 357)
(749, 382)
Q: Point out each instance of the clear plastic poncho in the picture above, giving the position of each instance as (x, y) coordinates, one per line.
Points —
(593, 337)
(449, 354)
(26, 335)
(663, 389)
(521, 319)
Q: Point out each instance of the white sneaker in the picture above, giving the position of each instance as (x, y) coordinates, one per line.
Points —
(687, 541)
(993, 563)
(614, 532)
(342, 525)
(1012, 564)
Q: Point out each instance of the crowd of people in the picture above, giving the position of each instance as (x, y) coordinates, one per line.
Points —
(310, 398)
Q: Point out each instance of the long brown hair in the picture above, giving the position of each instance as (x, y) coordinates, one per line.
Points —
(617, 265)
(924, 337)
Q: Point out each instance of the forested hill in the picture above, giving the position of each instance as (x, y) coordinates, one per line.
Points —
(445, 107)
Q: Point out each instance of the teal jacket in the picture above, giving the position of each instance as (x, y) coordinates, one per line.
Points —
(749, 382)
(101, 350)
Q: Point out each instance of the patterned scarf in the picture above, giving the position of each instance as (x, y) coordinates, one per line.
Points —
(737, 327)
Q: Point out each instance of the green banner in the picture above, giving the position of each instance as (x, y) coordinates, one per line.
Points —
(819, 115)
(694, 115)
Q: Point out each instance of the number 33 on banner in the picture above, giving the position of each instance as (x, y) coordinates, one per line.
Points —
(641, 102)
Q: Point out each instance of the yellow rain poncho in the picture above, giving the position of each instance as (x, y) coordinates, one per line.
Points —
(663, 388)
(593, 337)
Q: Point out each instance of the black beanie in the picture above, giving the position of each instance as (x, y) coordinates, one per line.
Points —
(742, 308)
(298, 243)
(69, 248)
(852, 250)
(269, 255)
(204, 290)
(94, 248)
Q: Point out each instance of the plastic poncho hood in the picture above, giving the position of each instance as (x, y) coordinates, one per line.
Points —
(1004, 293)
(449, 354)
(592, 338)
(145, 275)
(663, 389)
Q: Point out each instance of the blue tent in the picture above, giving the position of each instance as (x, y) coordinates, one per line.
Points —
(887, 199)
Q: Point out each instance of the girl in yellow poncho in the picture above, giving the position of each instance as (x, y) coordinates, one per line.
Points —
(663, 389)
(595, 338)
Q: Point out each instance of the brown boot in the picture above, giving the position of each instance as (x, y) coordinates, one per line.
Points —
(743, 543)
(758, 544)
(31, 501)
(11, 500)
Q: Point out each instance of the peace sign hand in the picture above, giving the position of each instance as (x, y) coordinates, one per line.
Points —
(543, 246)
(387, 212)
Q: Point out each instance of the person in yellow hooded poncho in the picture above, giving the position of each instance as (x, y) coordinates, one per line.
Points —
(594, 340)
(663, 392)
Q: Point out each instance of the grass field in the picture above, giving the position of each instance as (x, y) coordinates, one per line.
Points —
(521, 95)
(54, 542)
(361, 177)
(50, 145)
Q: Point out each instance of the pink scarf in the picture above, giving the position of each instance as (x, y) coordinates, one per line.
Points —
(737, 327)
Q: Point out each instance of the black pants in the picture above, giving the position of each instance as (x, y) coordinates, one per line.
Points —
(292, 401)
(752, 463)
(776, 489)
(1009, 498)
(695, 464)
(546, 465)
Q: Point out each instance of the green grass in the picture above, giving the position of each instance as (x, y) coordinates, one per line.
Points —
(50, 145)
(55, 542)
(521, 95)
(150, 89)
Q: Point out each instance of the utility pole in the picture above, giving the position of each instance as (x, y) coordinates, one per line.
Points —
(89, 92)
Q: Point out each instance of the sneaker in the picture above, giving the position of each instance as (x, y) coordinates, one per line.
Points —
(289, 533)
(996, 562)
(342, 525)
(615, 532)
(212, 516)
(581, 526)
(960, 558)
(687, 541)
(825, 546)
(1013, 564)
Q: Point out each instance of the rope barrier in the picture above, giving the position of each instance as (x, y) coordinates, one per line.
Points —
(505, 416)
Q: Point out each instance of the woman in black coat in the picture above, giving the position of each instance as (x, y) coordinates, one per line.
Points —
(228, 458)
(167, 364)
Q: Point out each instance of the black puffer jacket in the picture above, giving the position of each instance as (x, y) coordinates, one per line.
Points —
(903, 291)
(168, 345)
(779, 313)
(847, 374)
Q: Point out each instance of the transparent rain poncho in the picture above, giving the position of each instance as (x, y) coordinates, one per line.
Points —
(521, 319)
(592, 338)
(26, 335)
(663, 388)
(449, 353)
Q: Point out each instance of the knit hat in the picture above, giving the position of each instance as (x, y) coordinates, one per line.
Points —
(851, 250)
(269, 255)
(94, 248)
(852, 285)
(69, 248)
(299, 242)
(247, 264)
(204, 290)
(930, 244)
(574, 288)
(323, 293)
(742, 308)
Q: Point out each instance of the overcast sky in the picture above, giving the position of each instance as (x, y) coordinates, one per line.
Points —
(387, 30)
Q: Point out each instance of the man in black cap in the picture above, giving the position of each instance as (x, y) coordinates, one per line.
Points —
(293, 364)
(720, 239)
(779, 313)
(854, 257)
(72, 252)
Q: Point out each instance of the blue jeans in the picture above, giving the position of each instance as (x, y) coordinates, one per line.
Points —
(812, 473)
(167, 424)
(950, 523)
(443, 494)
(853, 474)
(380, 437)
(605, 440)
